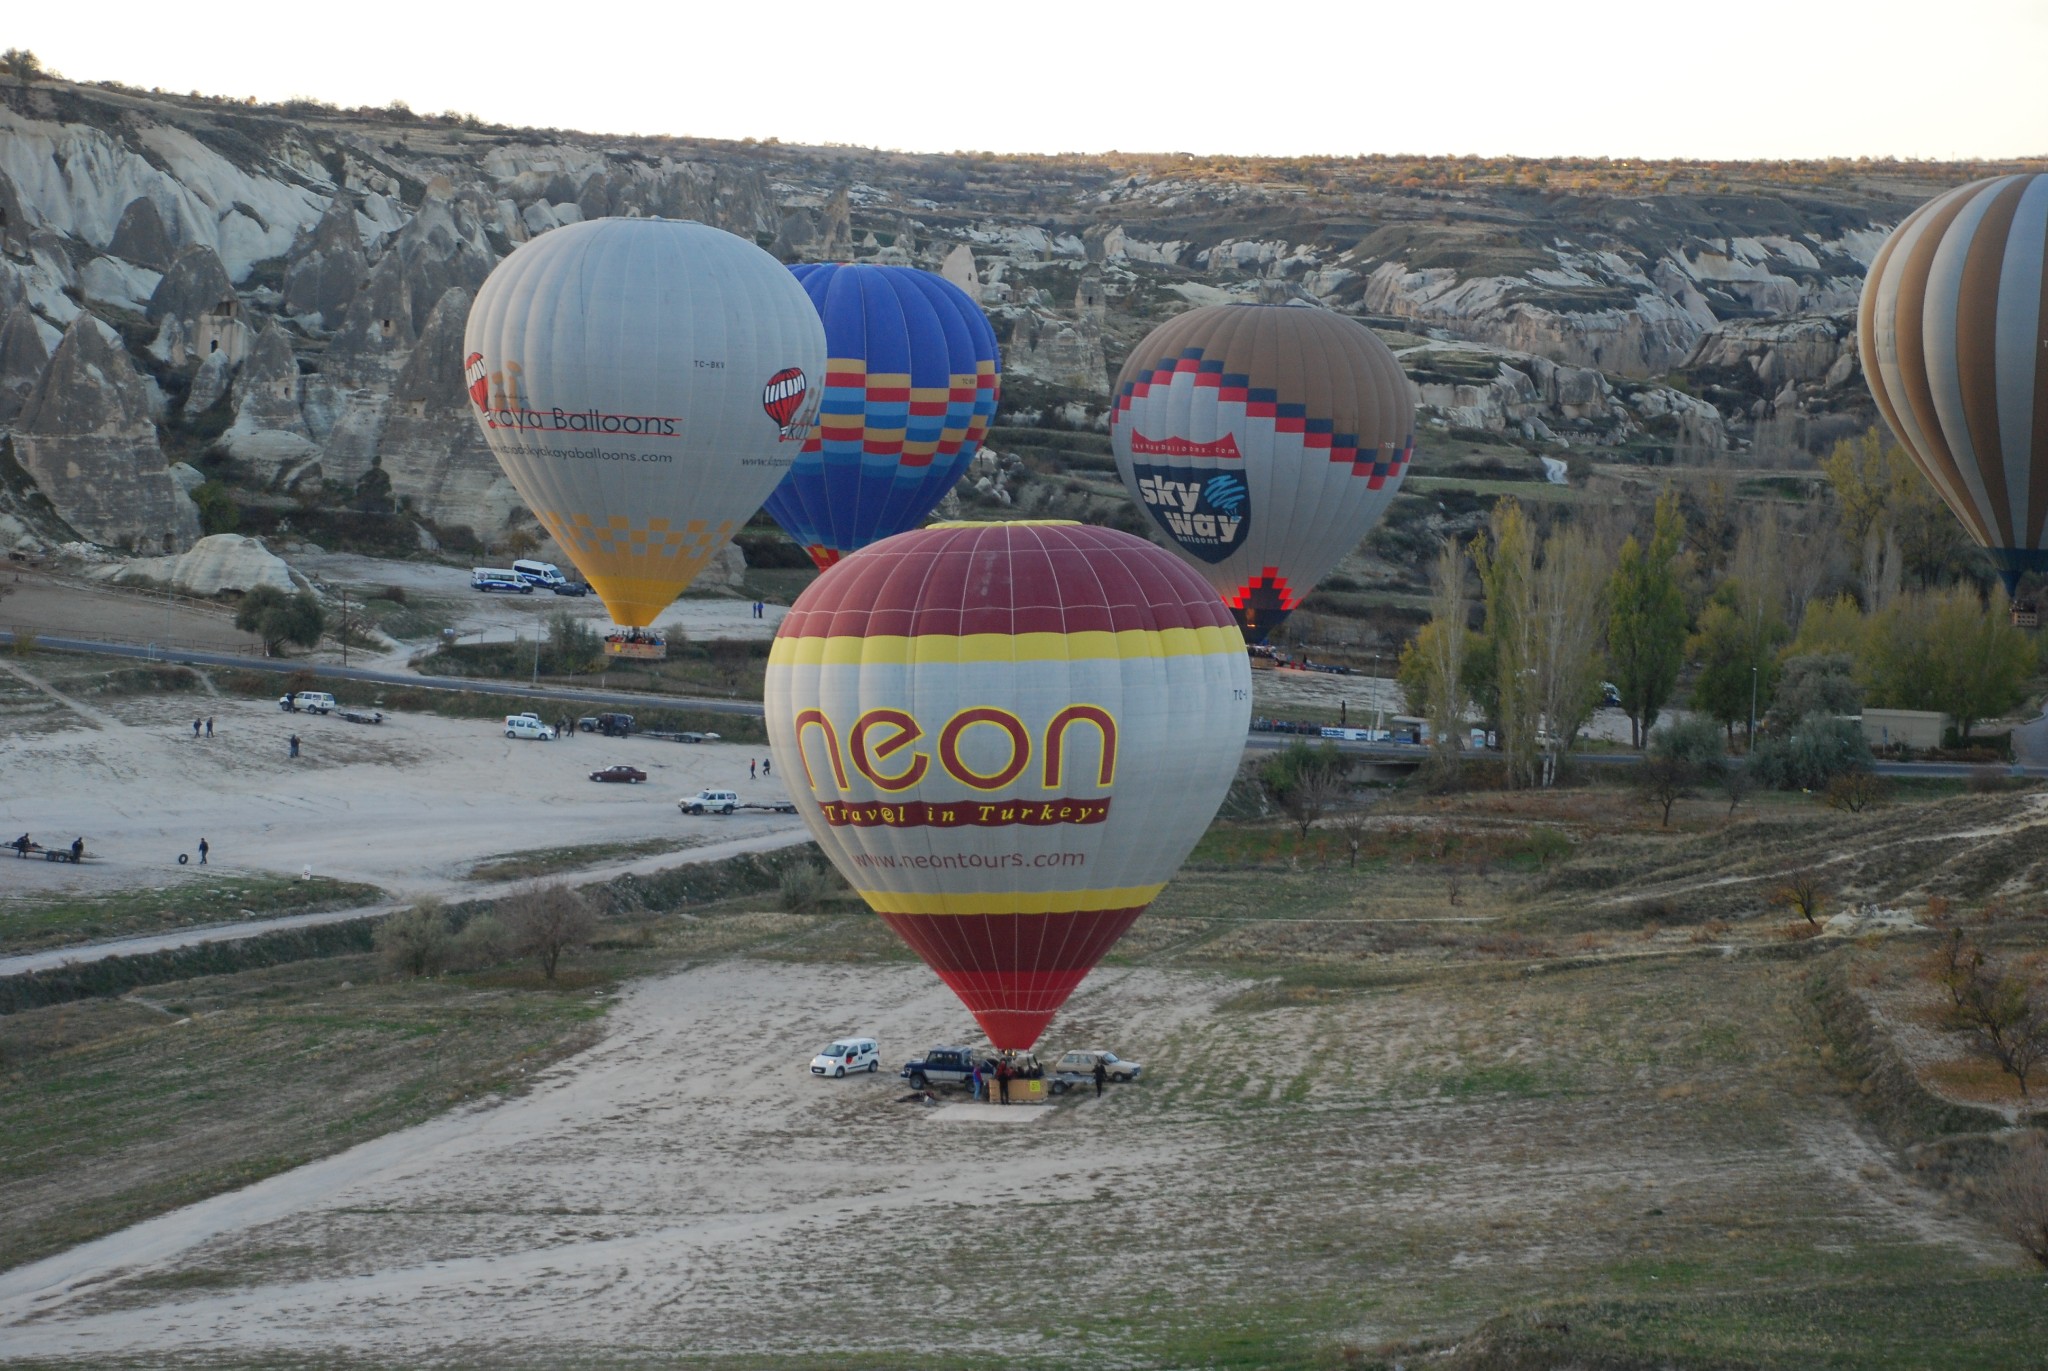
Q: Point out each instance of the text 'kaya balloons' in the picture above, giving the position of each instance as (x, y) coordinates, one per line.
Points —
(911, 384)
(1266, 440)
(644, 383)
(1953, 331)
(1007, 737)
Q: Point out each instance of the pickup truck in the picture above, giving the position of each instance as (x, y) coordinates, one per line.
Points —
(725, 802)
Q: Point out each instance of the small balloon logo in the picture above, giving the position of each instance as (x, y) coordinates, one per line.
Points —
(783, 396)
(479, 380)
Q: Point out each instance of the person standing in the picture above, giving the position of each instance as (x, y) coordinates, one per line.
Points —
(209, 725)
(1101, 1077)
(765, 761)
(295, 744)
(750, 768)
(1003, 1079)
(202, 851)
(77, 850)
(974, 1078)
(195, 728)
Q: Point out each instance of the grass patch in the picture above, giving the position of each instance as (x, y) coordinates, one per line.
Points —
(550, 861)
(30, 924)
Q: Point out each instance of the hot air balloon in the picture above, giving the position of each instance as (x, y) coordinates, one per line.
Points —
(911, 383)
(1953, 332)
(1266, 440)
(1007, 737)
(644, 383)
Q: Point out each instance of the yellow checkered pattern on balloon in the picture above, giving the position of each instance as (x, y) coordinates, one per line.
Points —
(637, 566)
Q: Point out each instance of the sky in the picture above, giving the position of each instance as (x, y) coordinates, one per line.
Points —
(1812, 78)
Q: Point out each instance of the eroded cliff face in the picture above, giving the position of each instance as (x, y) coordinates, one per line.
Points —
(310, 269)
(87, 436)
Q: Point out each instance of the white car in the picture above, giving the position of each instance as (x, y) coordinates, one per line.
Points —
(1083, 1064)
(710, 802)
(847, 1054)
(311, 701)
(526, 726)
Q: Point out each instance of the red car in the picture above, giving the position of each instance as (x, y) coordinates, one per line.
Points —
(621, 772)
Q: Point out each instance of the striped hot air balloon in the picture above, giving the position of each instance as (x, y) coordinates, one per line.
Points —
(1953, 332)
(1007, 737)
(1265, 440)
(911, 384)
(644, 383)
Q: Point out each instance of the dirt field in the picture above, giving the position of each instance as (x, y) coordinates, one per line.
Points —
(409, 805)
(1371, 1168)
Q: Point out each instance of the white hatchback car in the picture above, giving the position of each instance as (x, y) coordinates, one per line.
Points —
(527, 726)
(847, 1054)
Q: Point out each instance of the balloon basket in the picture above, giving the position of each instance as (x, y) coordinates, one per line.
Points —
(640, 649)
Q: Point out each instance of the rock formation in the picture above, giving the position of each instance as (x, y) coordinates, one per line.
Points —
(198, 311)
(214, 564)
(345, 403)
(326, 274)
(22, 359)
(269, 432)
(86, 437)
(433, 451)
(443, 248)
(14, 225)
(141, 237)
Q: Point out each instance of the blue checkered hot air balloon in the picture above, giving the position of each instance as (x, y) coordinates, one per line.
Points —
(911, 383)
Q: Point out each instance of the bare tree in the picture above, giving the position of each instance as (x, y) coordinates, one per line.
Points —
(1856, 791)
(1570, 607)
(2022, 1196)
(548, 921)
(1802, 892)
(1450, 609)
(1354, 827)
(2003, 1010)
(1313, 793)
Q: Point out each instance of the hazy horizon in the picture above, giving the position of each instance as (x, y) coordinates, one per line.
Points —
(1609, 80)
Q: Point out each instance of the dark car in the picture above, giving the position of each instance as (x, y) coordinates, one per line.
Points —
(632, 775)
(571, 588)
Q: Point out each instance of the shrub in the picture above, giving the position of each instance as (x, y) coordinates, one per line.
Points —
(2022, 1196)
(415, 941)
(24, 642)
(1678, 759)
(547, 922)
(1817, 750)
(1803, 892)
(482, 942)
(1857, 791)
(804, 888)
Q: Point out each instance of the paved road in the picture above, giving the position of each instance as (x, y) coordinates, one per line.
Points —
(282, 667)
(52, 958)
(2033, 750)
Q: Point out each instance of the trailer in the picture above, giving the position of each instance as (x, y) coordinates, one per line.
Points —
(357, 715)
(24, 849)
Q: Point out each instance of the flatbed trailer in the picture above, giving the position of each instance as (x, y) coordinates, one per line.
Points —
(49, 854)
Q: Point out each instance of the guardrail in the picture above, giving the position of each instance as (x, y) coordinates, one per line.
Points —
(165, 647)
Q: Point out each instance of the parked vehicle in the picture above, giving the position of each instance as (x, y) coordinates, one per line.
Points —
(725, 802)
(940, 1066)
(836, 1059)
(1083, 1064)
(576, 588)
(360, 716)
(587, 724)
(310, 701)
(544, 575)
(526, 726)
(611, 725)
(499, 579)
(631, 775)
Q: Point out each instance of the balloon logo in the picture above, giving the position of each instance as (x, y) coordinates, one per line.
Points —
(1008, 737)
(911, 383)
(782, 397)
(1265, 441)
(1953, 332)
(621, 363)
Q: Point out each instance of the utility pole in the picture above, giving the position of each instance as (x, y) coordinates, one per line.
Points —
(1752, 706)
(344, 628)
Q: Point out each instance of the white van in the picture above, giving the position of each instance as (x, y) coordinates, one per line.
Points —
(311, 701)
(527, 726)
(546, 575)
(847, 1054)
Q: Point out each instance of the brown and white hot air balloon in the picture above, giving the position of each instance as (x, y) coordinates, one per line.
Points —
(1953, 332)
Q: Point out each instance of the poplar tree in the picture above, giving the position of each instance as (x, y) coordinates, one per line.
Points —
(1646, 619)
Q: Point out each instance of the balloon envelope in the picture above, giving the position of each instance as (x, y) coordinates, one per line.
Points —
(1266, 440)
(644, 383)
(1953, 332)
(1007, 737)
(911, 384)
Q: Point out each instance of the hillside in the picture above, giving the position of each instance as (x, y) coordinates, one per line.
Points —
(215, 313)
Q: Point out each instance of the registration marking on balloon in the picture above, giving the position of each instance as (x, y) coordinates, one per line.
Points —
(1008, 737)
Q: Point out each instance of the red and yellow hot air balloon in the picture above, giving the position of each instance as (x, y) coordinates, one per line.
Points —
(1008, 737)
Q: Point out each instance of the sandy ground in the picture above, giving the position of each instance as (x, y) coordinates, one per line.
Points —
(686, 1184)
(409, 805)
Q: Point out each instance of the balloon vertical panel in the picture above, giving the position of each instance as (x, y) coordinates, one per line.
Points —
(644, 383)
(1007, 738)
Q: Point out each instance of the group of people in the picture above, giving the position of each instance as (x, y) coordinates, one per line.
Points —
(756, 769)
(24, 845)
(208, 722)
(1002, 1070)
